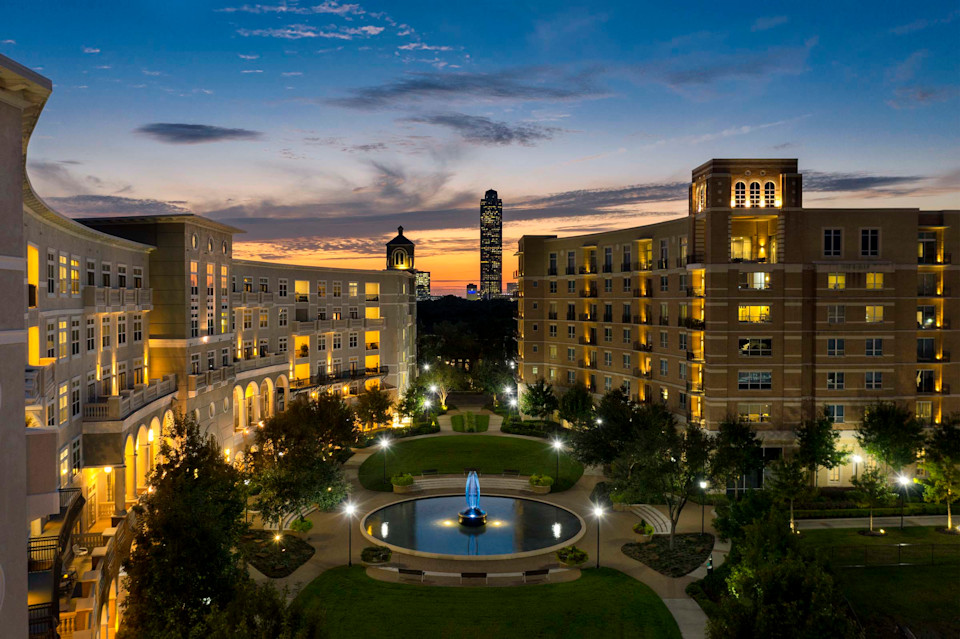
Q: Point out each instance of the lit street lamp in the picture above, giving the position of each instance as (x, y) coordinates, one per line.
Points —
(856, 460)
(703, 488)
(349, 508)
(598, 513)
(513, 402)
(426, 367)
(384, 445)
(433, 389)
(904, 480)
(558, 446)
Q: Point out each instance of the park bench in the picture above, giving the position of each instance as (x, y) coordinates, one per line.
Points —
(428, 471)
(473, 575)
(410, 573)
(511, 472)
(536, 574)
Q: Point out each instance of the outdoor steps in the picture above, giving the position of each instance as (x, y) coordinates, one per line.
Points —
(659, 521)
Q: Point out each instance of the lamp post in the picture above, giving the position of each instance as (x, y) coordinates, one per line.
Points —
(598, 513)
(904, 480)
(558, 446)
(856, 461)
(349, 509)
(703, 488)
(384, 445)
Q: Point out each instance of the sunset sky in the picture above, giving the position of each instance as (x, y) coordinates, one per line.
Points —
(319, 128)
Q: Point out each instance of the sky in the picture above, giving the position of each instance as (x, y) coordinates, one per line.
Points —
(318, 127)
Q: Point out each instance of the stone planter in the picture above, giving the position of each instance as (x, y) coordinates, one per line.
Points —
(572, 566)
(540, 490)
(644, 539)
(374, 564)
(402, 490)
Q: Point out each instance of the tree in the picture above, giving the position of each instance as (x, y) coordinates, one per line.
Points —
(789, 483)
(373, 407)
(871, 490)
(184, 556)
(441, 379)
(738, 451)
(294, 458)
(260, 611)
(492, 377)
(664, 461)
(539, 399)
(891, 434)
(941, 461)
(411, 403)
(601, 440)
(576, 405)
(817, 442)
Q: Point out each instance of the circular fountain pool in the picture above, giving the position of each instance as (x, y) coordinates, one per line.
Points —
(515, 527)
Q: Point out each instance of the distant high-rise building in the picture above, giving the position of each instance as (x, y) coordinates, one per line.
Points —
(472, 292)
(423, 285)
(512, 290)
(491, 245)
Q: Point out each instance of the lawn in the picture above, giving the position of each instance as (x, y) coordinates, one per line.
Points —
(451, 454)
(844, 546)
(470, 423)
(602, 603)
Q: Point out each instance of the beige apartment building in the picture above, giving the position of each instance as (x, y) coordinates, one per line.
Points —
(753, 306)
(113, 325)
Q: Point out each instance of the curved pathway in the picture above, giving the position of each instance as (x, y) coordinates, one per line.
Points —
(330, 531)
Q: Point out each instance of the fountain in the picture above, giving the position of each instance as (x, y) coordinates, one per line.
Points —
(472, 515)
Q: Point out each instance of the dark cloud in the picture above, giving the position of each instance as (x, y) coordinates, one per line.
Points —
(58, 176)
(480, 130)
(365, 148)
(179, 133)
(108, 205)
(831, 182)
(599, 199)
(784, 145)
(519, 84)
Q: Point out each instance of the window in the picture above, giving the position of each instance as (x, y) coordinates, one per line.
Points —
(874, 347)
(873, 380)
(571, 332)
(836, 281)
(571, 377)
(337, 338)
(137, 277)
(836, 314)
(571, 286)
(755, 347)
(834, 475)
(874, 281)
(754, 380)
(282, 288)
(352, 340)
(76, 457)
(832, 242)
(835, 413)
(769, 194)
(571, 354)
(225, 357)
(75, 336)
(608, 285)
(664, 339)
(626, 285)
(552, 351)
(282, 345)
(282, 317)
(607, 384)
(627, 336)
(247, 284)
(870, 243)
(63, 405)
(553, 286)
(926, 349)
(835, 381)
(122, 275)
(751, 314)
(664, 283)
(264, 318)
(51, 273)
(322, 342)
(924, 412)
(91, 334)
(607, 334)
(75, 397)
(626, 361)
(926, 316)
(62, 338)
(264, 285)
(91, 273)
(754, 413)
(925, 381)
(352, 288)
(739, 194)
(337, 289)
(75, 276)
(607, 358)
(64, 276)
(553, 330)
(682, 342)
(835, 347)
(105, 332)
(754, 194)
(195, 278)
(121, 329)
(682, 370)
(874, 314)
(247, 318)
(664, 367)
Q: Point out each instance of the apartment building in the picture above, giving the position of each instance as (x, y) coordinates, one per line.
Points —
(754, 306)
(118, 324)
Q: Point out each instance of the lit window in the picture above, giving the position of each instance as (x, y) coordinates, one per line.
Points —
(874, 281)
(836, 281)
(754, 380)
(874, 314)
(755, 347)
(754, 413)
(739, 194)
(769, 194)
(754, 314)
(754, 194)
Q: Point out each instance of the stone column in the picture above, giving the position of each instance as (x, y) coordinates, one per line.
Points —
(119, 490)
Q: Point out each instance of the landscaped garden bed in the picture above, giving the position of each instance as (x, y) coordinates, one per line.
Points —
(691, 551)
(274, 558)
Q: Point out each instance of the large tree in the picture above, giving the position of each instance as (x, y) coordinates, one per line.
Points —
(184, 556)
(441, 380)
(738, 451)
(295, 456)
(890, 433)
(493, 377)
(872, 490)
(576, 405)
(941, 461)
(411, 403)
(817, 445)
(664, 461)
(602, 439)
(539, 399)
(789, 483)
(373, 407)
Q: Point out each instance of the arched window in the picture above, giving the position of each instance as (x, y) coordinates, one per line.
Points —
(399, 257)
(770, 194)
(701, 197)
(754, 194)
(739, 194)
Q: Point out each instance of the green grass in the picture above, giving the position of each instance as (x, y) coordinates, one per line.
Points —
(603, 603)
(923, 545)
(450, 455)
(851, 537)
(470, 423)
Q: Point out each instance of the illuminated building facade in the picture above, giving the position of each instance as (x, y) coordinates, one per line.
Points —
(491, 245)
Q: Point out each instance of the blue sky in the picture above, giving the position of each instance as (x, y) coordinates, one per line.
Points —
(320, 126)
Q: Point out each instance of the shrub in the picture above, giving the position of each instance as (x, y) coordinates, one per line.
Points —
(301, 525)
(643, 528)
(531, 428)
(402, 479)
(427, 427)
(376, 554)
(541, 480)
(572, 555)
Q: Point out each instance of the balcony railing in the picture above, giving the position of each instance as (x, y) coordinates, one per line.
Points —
(934, 259)
(251, 298)
(373, 346)
(100, 299)
(694, 356)
(662, 264)
(116, 407)
(552, 315)
(337, 377)
(571, 270)
(584, 317)
(932, 291)
(608, 268)
(571, 317)
(588, 292)
(643, 374)
(608, 317)
(694, 387)
(588, 363)
(552, 270)
(664, 320)
(625, 267)
(695, 291)
(640, 346)
(690, 322)
(371, 297)
(928, 388)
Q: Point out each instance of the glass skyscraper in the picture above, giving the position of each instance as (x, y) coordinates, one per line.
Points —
(491, 245)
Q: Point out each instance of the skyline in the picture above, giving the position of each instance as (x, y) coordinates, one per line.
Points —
(400, 114)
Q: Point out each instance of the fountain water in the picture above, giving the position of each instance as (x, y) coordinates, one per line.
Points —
(473, 516)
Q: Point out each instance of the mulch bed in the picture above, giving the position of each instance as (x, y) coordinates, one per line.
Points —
(274, 558)
(690, 552)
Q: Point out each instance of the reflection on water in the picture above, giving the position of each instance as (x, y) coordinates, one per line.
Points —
(513, 525)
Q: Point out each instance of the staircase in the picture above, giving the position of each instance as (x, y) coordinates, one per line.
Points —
(659, 521)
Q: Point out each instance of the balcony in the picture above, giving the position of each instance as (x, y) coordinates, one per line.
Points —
(304, 328)
(118, 407)
(265, 359)
(931, 389)
(662, 264)
(689, 322)
(664, 320)
(583, 363)
(303, 352)
(97, 299)
(373, 346)
(301, 298)
(695, 356)
(625, 267)
(251, 298)
(645, 293)
(694, 387)
(584, 340)
(640, 346)
(695, 258)
(643, 374)
(626, 319)
(552, 271)
(588, 292)
(338, 377)
(46, 557)
(584, 317)
(695, 291)
(371, 297)
(932, 291)
(589, 269)
(645, 321)
(571, 270)
(571, 317)
(608, 317)
(608, 268)
(933, 259)
(552, 315)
